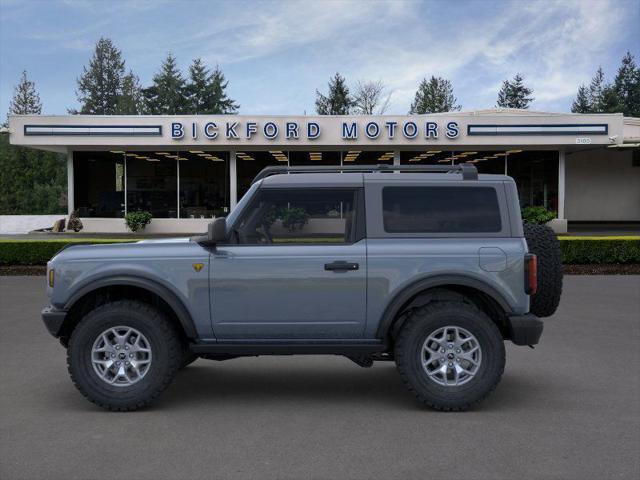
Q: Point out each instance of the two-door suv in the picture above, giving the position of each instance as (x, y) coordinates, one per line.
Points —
(427, 266)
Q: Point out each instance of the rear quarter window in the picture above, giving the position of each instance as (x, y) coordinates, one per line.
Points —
(434, 209)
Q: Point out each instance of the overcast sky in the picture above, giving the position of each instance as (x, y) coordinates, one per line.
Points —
(276, 53)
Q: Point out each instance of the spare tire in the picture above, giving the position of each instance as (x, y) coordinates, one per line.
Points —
(542, 242)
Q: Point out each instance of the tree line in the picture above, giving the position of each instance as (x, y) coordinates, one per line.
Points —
(435, 95)
(106, 88)
(621, 95)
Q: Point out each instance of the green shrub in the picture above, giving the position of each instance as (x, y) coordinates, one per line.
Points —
(575, 250)
(39, 252)
(598, 250)
(537, 215)
(137, 220)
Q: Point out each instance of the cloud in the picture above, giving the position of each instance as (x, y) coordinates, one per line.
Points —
(277, 53)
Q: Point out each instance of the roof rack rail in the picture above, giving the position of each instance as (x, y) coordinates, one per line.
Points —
(468, 171)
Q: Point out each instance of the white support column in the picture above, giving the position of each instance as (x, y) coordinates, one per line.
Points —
(233, 180)
(561, 177)
(396, 159)
(70, 189)
(559, 225)
(177, 188)
(125, 186)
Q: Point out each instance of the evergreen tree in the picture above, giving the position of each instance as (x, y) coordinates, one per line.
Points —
(621, 96)
(25, 99)
(196, 89)
(167, 95)
(338, 101)
(130, 101)
(219, 102)
(581, 104)
(433, 96)
(206, 91)
(31, 181)
(596, 91)
(100, 85)
(627, 86)
(514, 94)
(610, 101)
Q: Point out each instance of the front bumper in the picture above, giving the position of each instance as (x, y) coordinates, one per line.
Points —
(53, 320)
(525, 329)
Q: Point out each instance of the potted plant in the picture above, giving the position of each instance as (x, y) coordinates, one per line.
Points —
(136, 221)
(537, 215)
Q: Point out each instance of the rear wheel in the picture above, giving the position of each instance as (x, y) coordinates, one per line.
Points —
(123, 354)
(450, 355)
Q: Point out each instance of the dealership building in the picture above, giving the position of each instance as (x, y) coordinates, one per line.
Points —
(186, 170)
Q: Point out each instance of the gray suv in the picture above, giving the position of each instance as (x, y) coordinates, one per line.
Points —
(427, 266)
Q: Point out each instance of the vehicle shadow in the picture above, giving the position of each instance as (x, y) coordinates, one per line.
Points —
(212, 383)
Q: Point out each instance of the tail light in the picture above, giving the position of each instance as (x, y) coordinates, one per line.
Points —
(530, 274)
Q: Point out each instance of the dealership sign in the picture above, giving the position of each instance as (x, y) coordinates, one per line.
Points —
(292, 130)
(231, 131)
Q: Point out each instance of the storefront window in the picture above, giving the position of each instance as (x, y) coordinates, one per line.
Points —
(152, 183)
(367, 157)
(485, 161)
(249, 164)
(204, 180)
(99, 184)
(314, 158)
(536, 174)
(428, 156)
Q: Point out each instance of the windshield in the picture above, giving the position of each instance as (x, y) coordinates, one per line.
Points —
(233, 216)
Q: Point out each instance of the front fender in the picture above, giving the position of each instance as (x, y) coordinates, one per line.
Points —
(152, 285)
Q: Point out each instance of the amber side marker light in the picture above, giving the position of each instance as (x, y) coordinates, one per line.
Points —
(51, 277)
(530, 274)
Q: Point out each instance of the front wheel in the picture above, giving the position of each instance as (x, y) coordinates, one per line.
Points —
(450, 355)
(123, 354)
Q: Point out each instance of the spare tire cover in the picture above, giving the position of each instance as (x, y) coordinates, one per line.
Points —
(542, 242)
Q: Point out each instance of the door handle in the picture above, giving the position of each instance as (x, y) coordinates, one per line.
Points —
(341, 266)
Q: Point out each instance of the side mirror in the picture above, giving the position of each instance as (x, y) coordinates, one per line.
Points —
(217, 231)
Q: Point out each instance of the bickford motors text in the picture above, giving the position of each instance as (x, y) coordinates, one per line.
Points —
(349, 130)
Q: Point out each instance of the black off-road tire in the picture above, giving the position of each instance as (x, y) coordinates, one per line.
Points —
(542, 241)
(426, 320)
(167, 354)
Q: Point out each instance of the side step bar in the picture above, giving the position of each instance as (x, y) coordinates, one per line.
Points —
(290, 347)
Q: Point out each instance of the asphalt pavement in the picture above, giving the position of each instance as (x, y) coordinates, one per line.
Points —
(570, 409)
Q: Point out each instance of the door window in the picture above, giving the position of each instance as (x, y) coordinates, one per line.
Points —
(297, 216)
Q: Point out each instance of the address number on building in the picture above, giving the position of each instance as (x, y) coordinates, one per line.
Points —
(583, 141)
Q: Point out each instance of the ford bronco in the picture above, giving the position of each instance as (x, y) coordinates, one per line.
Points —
(427, 266)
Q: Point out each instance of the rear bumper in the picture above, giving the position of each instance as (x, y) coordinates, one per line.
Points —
(53, 319)
(525, 329)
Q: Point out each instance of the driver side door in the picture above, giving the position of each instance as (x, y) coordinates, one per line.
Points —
(295, 268)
